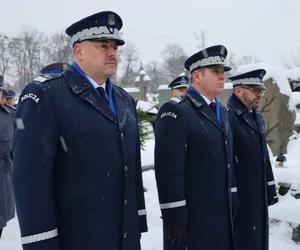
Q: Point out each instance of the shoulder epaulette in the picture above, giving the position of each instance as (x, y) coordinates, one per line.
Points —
(5, 109)
(10, 107)
(42, 78)
(177, 99)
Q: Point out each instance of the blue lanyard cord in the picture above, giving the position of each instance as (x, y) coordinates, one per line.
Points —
(111, 103)
(110, 96)
(218, 112)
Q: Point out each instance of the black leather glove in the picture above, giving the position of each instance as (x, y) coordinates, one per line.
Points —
(177, 235)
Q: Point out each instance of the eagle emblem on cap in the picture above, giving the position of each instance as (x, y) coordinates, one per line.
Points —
(204, 53)
(111, 19)
(222, 51)
(261, 74)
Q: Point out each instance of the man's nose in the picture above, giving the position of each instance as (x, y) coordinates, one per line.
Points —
(222, 75)
(111, 51)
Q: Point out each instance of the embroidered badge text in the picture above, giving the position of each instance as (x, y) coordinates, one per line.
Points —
(30, 96)
(168, 114)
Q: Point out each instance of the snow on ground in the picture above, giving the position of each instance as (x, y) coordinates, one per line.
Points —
(152, 240)
(280, 233)
(280, 238)
(10, 239)
(147, 155)
(291, 172)
(295, 99)
(287, 209)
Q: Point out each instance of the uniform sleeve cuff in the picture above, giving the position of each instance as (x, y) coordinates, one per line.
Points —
(49, 244)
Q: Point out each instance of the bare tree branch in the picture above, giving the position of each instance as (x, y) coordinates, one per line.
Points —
(174, 58)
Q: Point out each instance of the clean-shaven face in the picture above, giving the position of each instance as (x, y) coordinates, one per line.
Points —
(211, 81)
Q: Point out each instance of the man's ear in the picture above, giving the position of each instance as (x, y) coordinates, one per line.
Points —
(196, 75)
(78, 51)
(237, 91)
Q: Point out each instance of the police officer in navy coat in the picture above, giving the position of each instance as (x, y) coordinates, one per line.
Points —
(193, 160)
(255, 181)
(179, 86)
(7, 204)
(78, 181)
(10, 101)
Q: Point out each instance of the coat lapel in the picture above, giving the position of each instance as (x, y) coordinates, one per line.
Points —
(260, 123)
(122, 107)
(86, 92)
(246, 116)
(225, 121)
(239, 108)
(203, 109)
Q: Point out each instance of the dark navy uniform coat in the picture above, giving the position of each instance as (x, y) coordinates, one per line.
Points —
(193, 166)
(255, 181)
(7, 204)
(77, 180)
(12, 109)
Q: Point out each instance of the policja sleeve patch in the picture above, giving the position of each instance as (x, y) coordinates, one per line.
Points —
(31, 96)
(171, 114)
(31, 92)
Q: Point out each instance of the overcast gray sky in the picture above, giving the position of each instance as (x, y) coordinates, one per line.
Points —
(267, 29)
